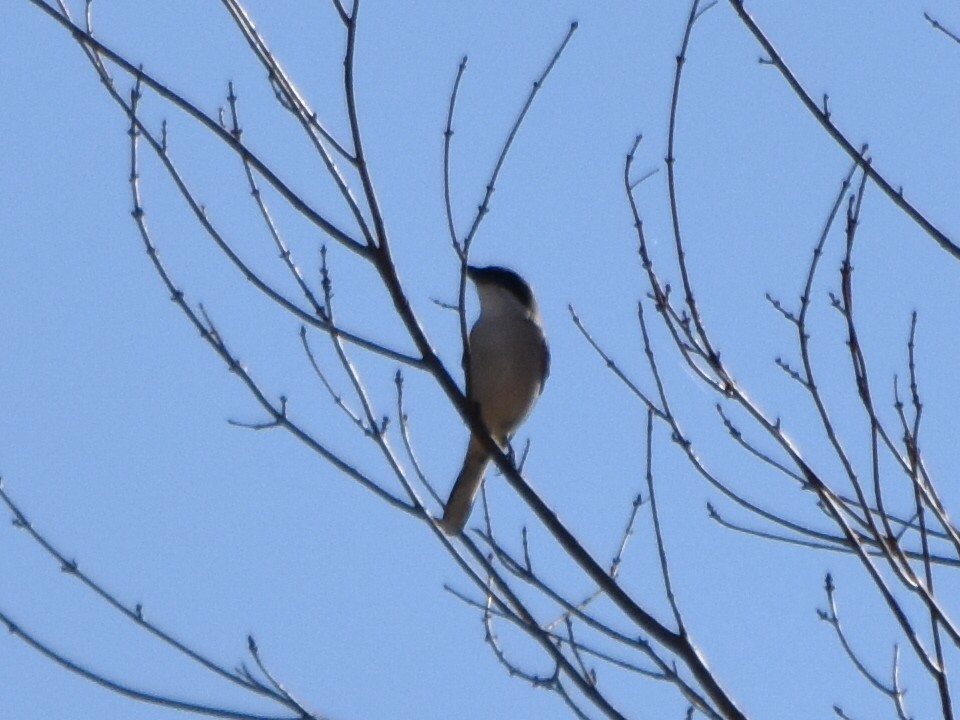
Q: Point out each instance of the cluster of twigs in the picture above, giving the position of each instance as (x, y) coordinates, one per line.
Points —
(898, 548)
(898, 551)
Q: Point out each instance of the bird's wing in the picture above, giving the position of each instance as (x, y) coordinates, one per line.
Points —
(546, 363)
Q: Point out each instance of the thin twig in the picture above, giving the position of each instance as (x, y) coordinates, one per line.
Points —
(689, 299)
(831, 617)
(265, 213)
(447, 142)
(484, 207)
(935, 24)
(613, 366)
(657, 531)
(279, 686)
(334, 395)
(404, 422)
(126, 690)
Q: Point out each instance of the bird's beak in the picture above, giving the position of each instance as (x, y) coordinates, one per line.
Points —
(472, 272)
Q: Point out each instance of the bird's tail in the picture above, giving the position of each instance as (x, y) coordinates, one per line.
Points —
(465, 488)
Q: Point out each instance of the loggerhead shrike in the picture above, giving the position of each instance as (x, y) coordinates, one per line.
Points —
(509, 363)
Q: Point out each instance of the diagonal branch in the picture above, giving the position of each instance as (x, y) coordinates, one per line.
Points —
(823, 117)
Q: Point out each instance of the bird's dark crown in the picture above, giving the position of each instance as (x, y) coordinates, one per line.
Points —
(505, 278)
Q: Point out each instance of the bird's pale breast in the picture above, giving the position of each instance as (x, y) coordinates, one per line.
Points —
(508, 351)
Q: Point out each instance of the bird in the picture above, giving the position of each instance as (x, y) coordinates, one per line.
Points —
(508, 364)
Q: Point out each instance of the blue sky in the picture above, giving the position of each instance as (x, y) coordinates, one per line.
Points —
(113, 432)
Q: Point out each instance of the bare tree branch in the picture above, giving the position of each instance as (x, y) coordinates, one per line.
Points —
(935, 24)
(135, 615)
(823, 117)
